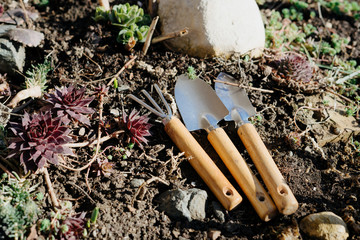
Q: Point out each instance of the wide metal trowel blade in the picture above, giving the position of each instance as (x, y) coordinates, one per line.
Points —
(198, 103)
(234, 98)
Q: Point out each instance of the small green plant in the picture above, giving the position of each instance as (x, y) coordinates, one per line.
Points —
(35, 82)
(41, 3)
(65, 223)
(36, 76)
(133, 23)
(293, 140)
(350, 111)
(256, 120)
(18, 210)
(191, 72)
(334, 46)
(343, 7)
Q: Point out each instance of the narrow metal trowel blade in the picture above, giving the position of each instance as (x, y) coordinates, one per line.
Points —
(198, 103)
(234, 98)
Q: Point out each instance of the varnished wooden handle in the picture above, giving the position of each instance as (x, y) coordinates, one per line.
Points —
(258, 197)
(279, 190)
(203, 165)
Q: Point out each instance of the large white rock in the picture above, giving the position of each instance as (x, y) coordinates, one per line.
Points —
(216, 27)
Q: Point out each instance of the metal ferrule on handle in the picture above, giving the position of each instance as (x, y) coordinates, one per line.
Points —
(203, 165)
(280, 192)
(254, 191)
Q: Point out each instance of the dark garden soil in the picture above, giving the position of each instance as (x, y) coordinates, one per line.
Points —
(84, 52)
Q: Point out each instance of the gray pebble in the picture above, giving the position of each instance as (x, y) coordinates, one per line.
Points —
(135, 183)
(115, 112)
(218, 211)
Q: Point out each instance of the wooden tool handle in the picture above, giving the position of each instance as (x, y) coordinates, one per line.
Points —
(243, 175)
(203, 165)
(280, 192)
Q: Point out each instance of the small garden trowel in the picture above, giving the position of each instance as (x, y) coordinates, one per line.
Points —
(200, 108)
(240, 109)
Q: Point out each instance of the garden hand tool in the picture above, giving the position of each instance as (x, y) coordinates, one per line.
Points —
(200, 108)
(198, 158)
(240, 109)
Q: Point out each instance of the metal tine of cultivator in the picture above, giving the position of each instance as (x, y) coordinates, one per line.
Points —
(168, 109)
(154, 103)
(158, 111)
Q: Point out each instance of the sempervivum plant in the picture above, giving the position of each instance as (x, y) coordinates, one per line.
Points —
(40, 138)
(70, 103)
(296, 68)
(73, 227)
(137, 126)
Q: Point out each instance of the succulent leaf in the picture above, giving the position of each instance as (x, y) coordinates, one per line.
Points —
(39, 139)
(70, 103)
(101, 14)
(137, 126)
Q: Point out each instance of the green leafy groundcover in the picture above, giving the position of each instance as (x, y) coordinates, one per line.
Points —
(18, 210)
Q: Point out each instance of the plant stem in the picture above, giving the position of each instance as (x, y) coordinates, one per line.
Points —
(6, 170)
(101, 107)
(50, 188)
(88, 143)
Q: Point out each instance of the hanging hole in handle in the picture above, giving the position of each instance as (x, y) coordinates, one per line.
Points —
(228, 192)
(282, 190)
(260, 196)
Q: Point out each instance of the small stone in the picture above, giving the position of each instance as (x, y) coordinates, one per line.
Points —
(94, 233)
(231, 227)
(214, 234)
(82, 131)
(183, 238)
(324, 226)
(135, 183)
(174, 203)
(176, 233)
(103, 230)
(219, 214)
(115, 112)
(123, 164)
(184, 204)
(123, 88)
(12, 56)
(196, 203)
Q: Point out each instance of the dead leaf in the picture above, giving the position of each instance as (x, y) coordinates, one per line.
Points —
(28, 37)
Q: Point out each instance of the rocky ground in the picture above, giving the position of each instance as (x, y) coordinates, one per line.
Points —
(312, 142)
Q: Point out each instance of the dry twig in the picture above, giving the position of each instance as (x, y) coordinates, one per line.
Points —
(150, 34)
(175, 34)
(50, 188)
(147, 182)
(132, 59)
